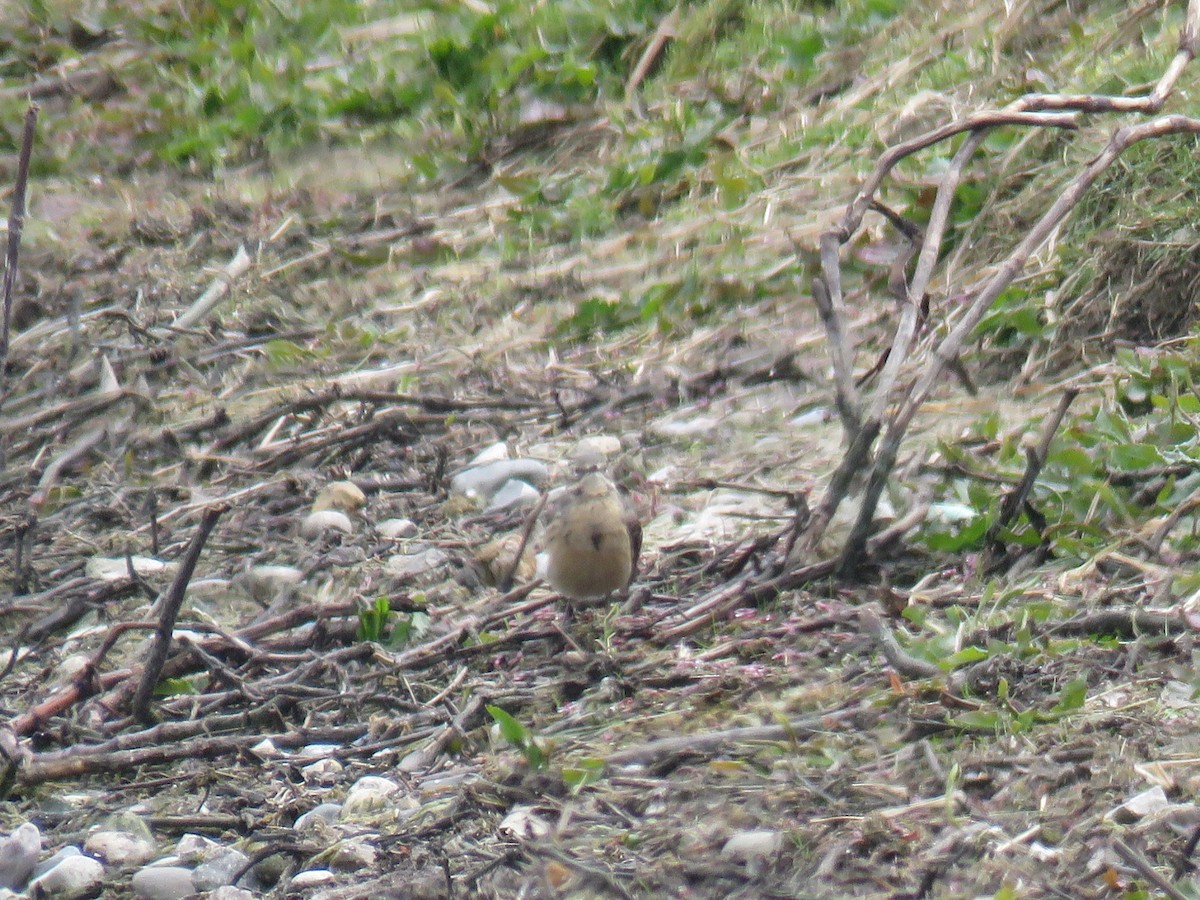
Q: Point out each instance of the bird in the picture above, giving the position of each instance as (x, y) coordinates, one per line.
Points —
(592, 539)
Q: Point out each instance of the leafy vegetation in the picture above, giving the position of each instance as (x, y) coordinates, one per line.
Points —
(520, 737)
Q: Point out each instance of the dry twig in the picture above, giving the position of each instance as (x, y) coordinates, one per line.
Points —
(867, 420)
(16, 224)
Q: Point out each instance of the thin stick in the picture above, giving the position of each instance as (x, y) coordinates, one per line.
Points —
(1015, 499)
(656, 750)
(898, 658)
(1147, 871)
(172, 601)
(827, 292)
(934, 231)
(217, 289)
(16, 224)
(506, 583)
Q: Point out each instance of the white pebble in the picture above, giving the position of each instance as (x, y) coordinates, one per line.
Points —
(484, 481)
(116, 568)
(318, 523)
(119, 848)
(493, 453)
(163, 883)
(311, 878)
(325, 813)
(749, 845)
(72, 877)
(268, 582)
(397, 528)
(514, 494)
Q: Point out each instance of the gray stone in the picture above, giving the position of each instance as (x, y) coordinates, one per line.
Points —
(195, 848)
(751, 845)
(163, 883)
(74, 876)
(18, 855)
(483, 481)
(514, 494)
(119, 848)
(228, 892)
(51, 861)
(219, 869)
(326, 812)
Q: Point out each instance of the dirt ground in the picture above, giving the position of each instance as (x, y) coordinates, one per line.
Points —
(696, 738)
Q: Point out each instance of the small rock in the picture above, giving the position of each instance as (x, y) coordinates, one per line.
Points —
(750, 845)
(353, 856)
(369, 794)
(412, 565)
(1139, 806)
(311, 878)
(523, 824)
(229, 892)
(219, 869)
(265, 583)
(595, 446)
(318, 523)
(484, 481)
(18, 855)
(818, 415)
(195, 848)
(50, 862)
(397, 528)
(950, 512)
(163, 883)
(344, 495)
(694, 427)
(119, 848)
(514, 494)
(72, 877)
(326, 813)
(266, 749)
(128, 822)
(116, 568)
(322, 772)
(316, 751)
(493, 453)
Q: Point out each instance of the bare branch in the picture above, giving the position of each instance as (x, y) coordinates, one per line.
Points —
(172, 601)
(16, 224)
(990, 119)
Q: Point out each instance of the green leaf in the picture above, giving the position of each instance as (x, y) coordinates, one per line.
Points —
(281, 352)
(985, 720)
(173, 687)
(1135, 456)
(588, 772)
(512, 730)
(962, 657)
(1072, 695)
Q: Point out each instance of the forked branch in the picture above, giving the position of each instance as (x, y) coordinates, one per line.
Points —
(866, 418)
